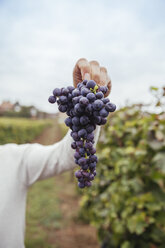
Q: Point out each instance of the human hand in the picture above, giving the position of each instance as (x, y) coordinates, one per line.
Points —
(91, 71)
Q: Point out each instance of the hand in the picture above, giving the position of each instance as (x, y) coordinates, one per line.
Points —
(91, 70)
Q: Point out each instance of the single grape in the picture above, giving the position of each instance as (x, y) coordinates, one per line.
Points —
(70, 88)
(57, 92)
(104, 89)
(84, 120)
(98, 104)
(82, 161)
(105, 100)
(75, 136)
(93, 158)
(83, 101)
(103, 112)
(64, 91)
(77, 155)
(90, 128)
(88, 184)
(52, 99)
(78, 174)
(81, 185)
(90, 137)
(74, 145)
(82, 133)
(85, 91)
(76, 121)
(68, 121)
(63, 99)
(62, 108)
(80, 143)
(93, 151)
(91, 84)
(110, 107)
(99, 95)
(91, 97)
(88, 145)
(75, 92)
(75, 128)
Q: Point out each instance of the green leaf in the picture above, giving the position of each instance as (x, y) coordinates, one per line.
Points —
(159, 160)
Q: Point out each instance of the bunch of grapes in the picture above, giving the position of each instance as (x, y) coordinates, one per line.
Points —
(86, 107)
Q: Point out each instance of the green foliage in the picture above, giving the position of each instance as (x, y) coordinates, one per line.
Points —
(20, 130)
(127, 200)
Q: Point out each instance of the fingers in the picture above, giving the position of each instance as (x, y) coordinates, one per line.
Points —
(95, 71)
(103, 76)
(81, 71)
(91, 70)
(109, 85)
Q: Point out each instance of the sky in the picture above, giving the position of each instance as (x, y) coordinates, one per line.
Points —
(41, 40)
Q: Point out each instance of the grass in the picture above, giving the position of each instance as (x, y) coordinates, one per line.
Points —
(43, 213)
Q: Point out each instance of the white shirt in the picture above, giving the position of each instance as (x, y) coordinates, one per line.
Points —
(20, 167)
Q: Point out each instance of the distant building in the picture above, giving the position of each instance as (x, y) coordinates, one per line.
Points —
(6, 106)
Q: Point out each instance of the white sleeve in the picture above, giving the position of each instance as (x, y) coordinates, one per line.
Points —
(46, 161)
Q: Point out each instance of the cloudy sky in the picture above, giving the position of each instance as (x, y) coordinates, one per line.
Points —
(41, 40)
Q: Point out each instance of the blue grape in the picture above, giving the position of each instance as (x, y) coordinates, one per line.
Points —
(80, 143)
(77, 155)
(57, 92)
(104, 89)
(75, 128)
(98, 104)
(90, 128)
(89, 109)
(84, 120)
(75, 92)
(83, 101)
(93, 151)
(91, 84)
(92, 165)
(78, 108)
(93, 158)
(82, 151)
(84, 82)
(82, 133)
(81, 185)
(75, 136)
(88, 145)
(82, 161)
(78, 174)
(70, 88)
(52, 99)
(68, 122)
(103, 112)
(62, 108)
(91, 97)
(110, 107)
(63, 99)
(88, 184)
(85, 91)
(74, 145)
(99, 95)
(90, 137)
(105, 100)
(76, 121)
(64, 91)
(76, 99)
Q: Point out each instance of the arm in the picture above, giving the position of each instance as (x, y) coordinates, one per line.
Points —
(41, 162)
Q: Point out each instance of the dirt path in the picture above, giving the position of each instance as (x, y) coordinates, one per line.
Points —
(72, 234)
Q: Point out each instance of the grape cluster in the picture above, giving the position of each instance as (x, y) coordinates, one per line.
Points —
(86, 107)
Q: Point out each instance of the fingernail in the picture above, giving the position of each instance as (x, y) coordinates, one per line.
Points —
(87, 76)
